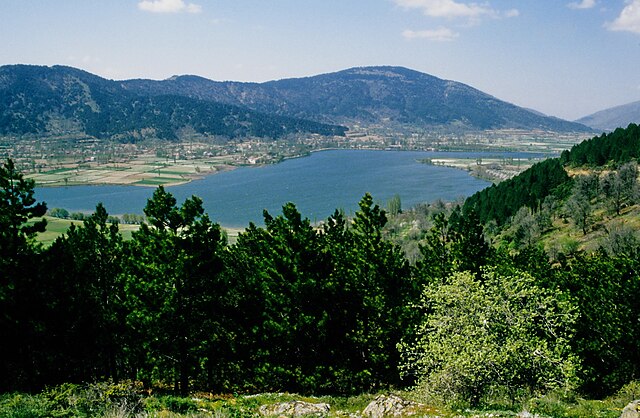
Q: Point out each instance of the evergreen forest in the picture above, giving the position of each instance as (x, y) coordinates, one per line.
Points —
(483, 310)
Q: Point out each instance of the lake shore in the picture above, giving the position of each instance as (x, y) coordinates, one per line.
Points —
(153, 172)
(70, 162)
(491, 169)
(239, 196)
(142, 171)
(147, 171)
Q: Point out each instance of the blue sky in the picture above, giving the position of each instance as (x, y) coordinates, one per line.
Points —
(562, 57)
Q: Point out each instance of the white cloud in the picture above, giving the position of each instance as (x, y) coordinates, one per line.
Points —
(445, 8)
(168, 6)
(438, 35)
(629, 19)
(583, 4)
(453, 9)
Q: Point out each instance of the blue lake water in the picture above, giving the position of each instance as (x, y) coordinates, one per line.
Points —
(317, 184)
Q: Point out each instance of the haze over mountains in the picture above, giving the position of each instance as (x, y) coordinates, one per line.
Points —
(45, 100)
(614, 117)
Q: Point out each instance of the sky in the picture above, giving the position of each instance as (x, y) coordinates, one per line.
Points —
(564, 58)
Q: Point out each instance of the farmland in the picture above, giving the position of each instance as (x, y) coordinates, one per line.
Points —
(65, 161)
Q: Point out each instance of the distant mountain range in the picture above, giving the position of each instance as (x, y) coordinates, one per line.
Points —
(41, 100)
(614, 117)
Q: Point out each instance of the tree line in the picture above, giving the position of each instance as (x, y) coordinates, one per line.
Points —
(616, 151)
(618, 147)
(501, 201)
(335, 308)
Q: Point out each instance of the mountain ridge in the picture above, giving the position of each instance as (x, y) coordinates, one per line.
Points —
(366, 96)
(389, 96)
(37, 100)
(614, 117)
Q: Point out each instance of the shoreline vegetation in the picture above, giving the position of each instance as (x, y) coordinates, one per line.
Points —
(56, 162)
(494, 169)
(151, 173)
(62, 162)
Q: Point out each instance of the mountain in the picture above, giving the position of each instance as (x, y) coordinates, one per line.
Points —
(38, 100)
(614, 117)
(41, 100)
(365, 96)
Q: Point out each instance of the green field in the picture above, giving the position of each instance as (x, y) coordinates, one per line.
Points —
(158, 181)
(57, 227)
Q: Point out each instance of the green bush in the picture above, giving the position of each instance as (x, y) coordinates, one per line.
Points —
(170, 403)
(23, 406)
(628, 393)
(90, 400)
(490, 337)
(59, 213)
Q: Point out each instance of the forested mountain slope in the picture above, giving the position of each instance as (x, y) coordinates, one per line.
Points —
(501, 201)
(619, 146)
(549, 178)
(62, 100)
(366, 95)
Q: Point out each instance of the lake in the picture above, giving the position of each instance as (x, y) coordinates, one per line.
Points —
(317, 184)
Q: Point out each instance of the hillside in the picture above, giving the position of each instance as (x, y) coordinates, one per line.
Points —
(588, 198)
(550, 178)
(62, 100)
(336, 309)
(612, 118)
(365, 96)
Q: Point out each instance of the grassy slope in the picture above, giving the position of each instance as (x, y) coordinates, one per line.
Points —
(565, 236)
